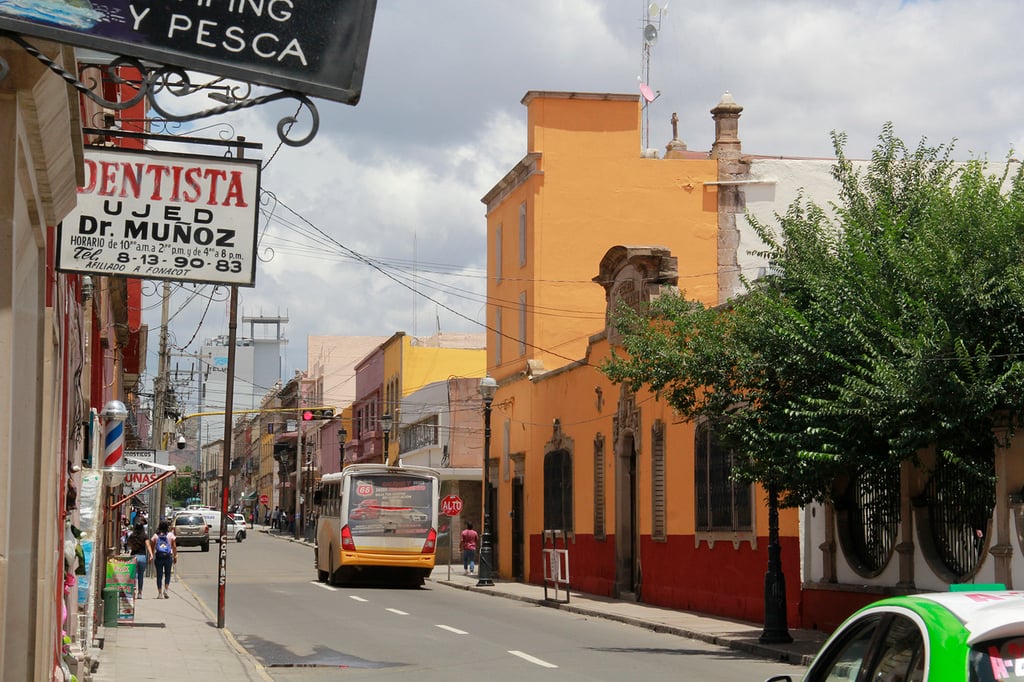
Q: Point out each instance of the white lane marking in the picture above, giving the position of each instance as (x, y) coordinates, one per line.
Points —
(533, 659)
(325, 586)
(449, 628)
(400, 613)
(352, 596)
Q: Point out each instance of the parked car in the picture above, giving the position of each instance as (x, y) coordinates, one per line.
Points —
(192, 530)
(970, 635)
(239, 520)
(233, 530)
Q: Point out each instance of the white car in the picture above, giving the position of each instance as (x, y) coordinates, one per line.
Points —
(239, 521)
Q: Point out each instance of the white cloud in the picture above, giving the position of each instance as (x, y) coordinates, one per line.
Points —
(399, 177)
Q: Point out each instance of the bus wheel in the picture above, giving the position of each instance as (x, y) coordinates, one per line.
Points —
(332, 576)
(322, 576)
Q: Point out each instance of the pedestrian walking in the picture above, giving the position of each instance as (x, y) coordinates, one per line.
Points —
(140, 548)
(165, 554)
(275, 518)
(467, 544)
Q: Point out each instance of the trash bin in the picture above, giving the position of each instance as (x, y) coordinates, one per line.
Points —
(110, 599)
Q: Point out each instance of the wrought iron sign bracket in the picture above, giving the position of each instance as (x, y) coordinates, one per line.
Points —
(175, 81)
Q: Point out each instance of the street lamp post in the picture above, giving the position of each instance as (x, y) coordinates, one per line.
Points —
(385, 425)
(775, 628)
(488, 386)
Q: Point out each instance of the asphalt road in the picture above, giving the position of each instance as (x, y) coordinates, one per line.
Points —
(303, 630)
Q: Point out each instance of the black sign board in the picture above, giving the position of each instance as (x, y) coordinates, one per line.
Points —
(316, 47)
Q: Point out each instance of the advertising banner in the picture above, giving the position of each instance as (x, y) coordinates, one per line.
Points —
(121, 577)
(315, 47)
(139, 475)
(151, 215)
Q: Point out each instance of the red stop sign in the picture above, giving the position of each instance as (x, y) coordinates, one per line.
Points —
(451, 505)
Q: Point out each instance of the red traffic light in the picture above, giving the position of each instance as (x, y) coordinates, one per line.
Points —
(317, 413)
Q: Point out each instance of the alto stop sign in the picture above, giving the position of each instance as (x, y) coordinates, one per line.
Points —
(264, 499)
(451, 505)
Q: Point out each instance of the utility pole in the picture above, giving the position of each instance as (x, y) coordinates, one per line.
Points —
(160, 394)
(229, 436)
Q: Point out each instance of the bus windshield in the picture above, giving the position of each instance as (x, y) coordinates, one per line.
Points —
(390, 504)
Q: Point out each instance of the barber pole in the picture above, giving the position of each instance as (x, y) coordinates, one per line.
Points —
(114, 414)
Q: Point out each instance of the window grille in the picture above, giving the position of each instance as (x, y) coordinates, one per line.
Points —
(722, 503)
(558, 491)
(869, 519)
(959, 507)
(599, 496)
(659, 529)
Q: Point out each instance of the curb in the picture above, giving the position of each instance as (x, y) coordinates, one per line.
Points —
(755, 648)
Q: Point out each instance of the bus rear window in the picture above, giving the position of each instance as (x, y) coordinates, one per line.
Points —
(393, 504)
(999, 659)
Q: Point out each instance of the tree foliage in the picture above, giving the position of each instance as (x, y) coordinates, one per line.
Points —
(182, 486)
(889, 322)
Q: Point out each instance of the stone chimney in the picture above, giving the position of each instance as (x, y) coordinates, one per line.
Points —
(675, 148)
(727, 139)
(732, 170)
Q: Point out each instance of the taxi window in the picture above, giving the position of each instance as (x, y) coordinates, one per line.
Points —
(846, 656)
(997, 659)
(901, 658)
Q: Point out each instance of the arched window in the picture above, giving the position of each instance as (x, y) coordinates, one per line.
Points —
(558, 491)
(954, 514)
(868, 519)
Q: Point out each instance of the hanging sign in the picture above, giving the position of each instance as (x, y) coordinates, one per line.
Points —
(152, 215)
(316, 47)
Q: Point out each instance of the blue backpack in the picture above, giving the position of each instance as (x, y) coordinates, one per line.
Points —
(163, 544)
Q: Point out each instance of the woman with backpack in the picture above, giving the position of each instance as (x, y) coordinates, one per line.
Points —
(165, 553)
(139, 546)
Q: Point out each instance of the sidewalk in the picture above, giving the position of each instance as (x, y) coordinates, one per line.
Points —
(175, 638)
(182, 631)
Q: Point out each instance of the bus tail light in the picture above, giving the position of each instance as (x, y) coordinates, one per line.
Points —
(347, 543)
(431, 541)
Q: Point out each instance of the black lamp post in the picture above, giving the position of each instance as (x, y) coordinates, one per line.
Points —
(487, 388)
(775, 628)
(342, 435)
(385, 425)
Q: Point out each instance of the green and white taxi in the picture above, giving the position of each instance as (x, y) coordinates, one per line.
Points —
(967, 635)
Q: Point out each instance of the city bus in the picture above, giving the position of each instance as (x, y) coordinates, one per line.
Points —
(376, 523)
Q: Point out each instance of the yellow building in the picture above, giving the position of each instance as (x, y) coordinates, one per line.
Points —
(584, 221)
(406, 364)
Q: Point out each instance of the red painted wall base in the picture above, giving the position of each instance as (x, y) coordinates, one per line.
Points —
(720, 580)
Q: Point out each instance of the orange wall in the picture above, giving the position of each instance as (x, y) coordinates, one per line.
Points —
(594, 191)
(590, 190)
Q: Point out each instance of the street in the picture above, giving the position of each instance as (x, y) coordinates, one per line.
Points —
(303, 630)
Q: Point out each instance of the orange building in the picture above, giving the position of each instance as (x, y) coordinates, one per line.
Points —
(643, 497)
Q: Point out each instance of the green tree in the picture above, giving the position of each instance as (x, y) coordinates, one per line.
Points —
(891, 321)
(183, 486)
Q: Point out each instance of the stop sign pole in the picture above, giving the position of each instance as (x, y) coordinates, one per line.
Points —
(451, 506)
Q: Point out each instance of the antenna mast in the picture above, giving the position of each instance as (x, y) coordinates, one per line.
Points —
(651, 21)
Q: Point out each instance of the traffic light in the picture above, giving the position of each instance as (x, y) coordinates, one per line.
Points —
(317, 413)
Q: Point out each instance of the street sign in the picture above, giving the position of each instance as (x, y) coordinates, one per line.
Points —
(451, 505)
(264, 499)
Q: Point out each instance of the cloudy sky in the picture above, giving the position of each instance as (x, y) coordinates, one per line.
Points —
(376, 226)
